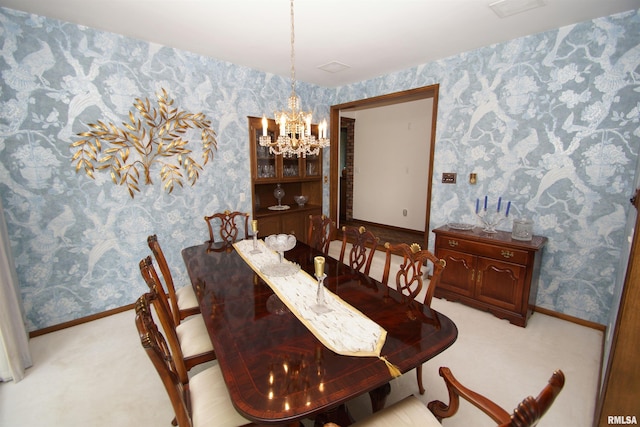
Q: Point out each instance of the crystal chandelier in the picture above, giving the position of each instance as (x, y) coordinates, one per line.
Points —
(294, 125)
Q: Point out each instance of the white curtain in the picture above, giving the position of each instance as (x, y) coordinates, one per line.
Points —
(14, 341)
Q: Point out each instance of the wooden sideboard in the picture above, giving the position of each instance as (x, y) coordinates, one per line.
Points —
(490, 271)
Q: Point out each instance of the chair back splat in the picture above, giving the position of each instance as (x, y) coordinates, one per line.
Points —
(158, 298)
(229, 232)
(363, 246)
(183, 302)
(322, 231)
(409, 280)
(158, 351)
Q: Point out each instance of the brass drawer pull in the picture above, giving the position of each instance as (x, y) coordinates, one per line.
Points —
(453, 243)
(507, 254)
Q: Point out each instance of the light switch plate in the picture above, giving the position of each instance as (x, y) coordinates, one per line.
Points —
(449, 178)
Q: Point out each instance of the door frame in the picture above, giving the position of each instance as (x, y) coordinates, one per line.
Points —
(379, 101)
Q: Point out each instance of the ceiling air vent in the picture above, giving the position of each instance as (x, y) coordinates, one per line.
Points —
(504, 8)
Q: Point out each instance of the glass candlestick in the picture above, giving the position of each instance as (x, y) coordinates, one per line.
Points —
(255, 249)
(321, 305)
(254, 228)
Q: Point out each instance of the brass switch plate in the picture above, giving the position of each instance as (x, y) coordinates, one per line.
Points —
(449, 178)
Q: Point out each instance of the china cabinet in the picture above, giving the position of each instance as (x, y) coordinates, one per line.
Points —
(490, 271)
(285, 177)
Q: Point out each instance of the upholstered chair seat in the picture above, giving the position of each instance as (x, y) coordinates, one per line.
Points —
(210, 402)
(186, 298)
(409, 412)
(193, 337)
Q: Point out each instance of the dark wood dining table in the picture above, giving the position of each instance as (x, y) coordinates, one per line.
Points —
(277, 372)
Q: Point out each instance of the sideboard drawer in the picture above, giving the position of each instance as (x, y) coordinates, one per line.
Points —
(492, 251)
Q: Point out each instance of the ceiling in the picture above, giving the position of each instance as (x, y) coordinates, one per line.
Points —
(370, 37)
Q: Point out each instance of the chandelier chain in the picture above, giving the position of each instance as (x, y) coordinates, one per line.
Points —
(293, 53)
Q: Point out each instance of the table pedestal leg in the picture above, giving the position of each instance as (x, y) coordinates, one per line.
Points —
(379, 397)
(339, 415)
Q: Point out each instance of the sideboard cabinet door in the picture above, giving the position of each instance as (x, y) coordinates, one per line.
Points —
(459, 275)
(500, 284)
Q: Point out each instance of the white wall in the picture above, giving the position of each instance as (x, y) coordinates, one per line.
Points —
(391, 161)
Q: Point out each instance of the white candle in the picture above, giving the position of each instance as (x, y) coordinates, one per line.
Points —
(319, 265)
(264, 126)
(308, 125)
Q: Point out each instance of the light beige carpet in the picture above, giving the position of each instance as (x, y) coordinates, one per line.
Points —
(97, 374)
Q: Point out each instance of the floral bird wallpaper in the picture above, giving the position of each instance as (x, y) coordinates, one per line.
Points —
(550, 122)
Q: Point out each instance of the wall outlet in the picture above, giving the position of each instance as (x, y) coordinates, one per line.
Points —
(449, 178)
(242, 197)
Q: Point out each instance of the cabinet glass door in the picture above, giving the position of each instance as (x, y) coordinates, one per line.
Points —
(313, 167)
(290, 167)
(265, 161)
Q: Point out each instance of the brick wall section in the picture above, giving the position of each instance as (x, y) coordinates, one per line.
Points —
(349, 124)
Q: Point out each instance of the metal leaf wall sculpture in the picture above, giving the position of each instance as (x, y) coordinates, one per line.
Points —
(156, 136)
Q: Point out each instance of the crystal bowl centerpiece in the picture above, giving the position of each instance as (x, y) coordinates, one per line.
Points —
(281, 243)
(301, 200)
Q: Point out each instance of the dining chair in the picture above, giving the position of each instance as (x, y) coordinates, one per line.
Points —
(190, 339)
(204, 399)
(409, 279)
(183, 300)
(412, 412)
(322, 231)
(363, 247)
(228, 222)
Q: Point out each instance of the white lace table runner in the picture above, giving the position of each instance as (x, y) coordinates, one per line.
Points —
(344, 329)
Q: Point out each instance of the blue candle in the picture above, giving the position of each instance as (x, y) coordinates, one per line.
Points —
(485, 203)
(477, 205)
(508, 207)
(499, 201)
